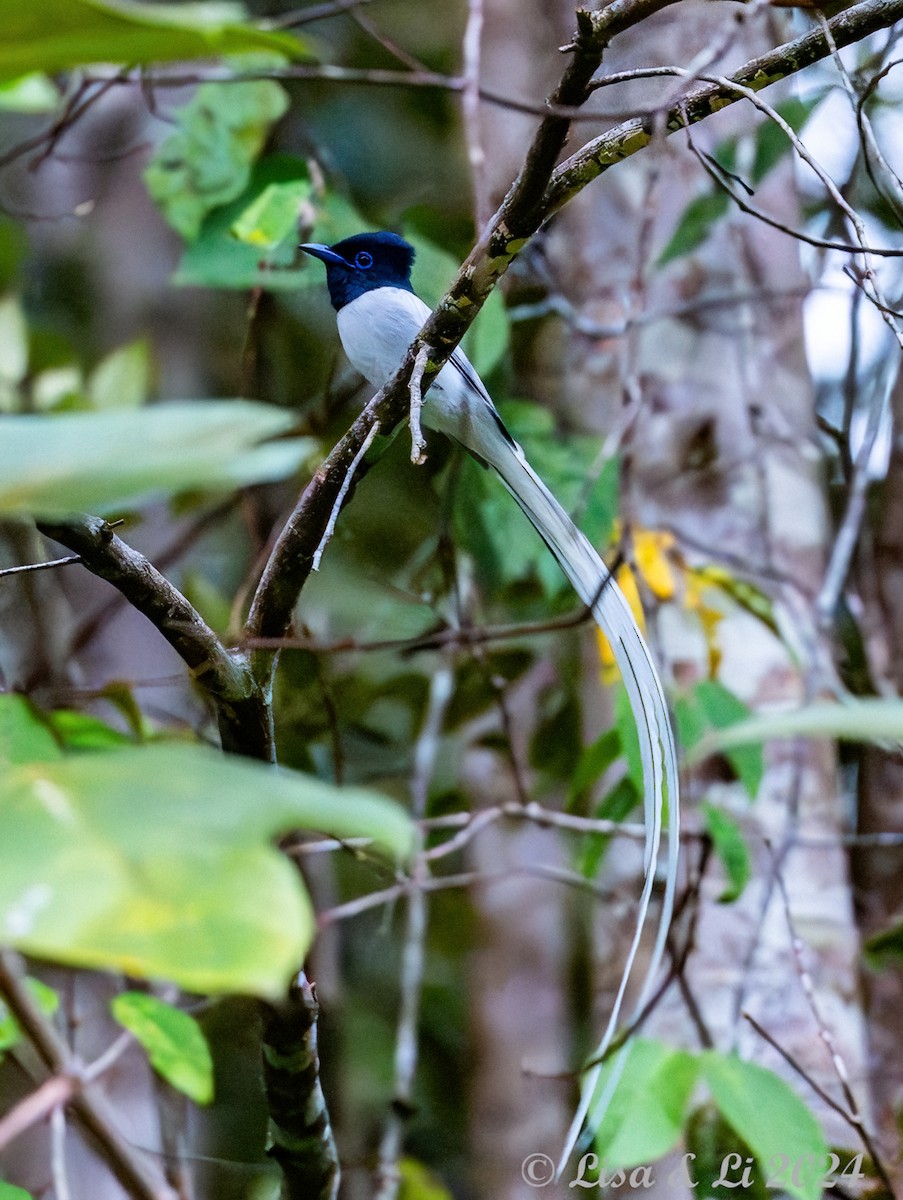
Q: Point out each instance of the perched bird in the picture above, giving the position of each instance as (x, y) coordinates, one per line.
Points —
(378, 315)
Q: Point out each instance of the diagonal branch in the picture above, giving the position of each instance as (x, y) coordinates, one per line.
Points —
(522, 212)
(225, 677)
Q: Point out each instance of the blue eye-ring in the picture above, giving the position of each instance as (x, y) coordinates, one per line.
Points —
(363, 259)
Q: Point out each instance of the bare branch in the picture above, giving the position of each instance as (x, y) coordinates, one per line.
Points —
(244, 720)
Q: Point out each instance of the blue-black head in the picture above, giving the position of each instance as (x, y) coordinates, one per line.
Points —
(364, 262)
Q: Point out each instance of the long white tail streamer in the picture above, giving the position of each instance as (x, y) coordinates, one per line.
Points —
(376, 335)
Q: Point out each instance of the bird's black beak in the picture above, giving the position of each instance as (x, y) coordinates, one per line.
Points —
(323, 253)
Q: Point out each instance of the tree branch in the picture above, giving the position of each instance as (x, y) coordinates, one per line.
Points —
(627, 138)
(242, 714)
(519, 216)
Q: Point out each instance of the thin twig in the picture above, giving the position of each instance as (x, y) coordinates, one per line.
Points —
(342, 495)
(45, 566)
(852, 1115)
(35, 1107)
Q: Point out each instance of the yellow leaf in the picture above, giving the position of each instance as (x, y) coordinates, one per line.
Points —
(627, 584)
(651, 547)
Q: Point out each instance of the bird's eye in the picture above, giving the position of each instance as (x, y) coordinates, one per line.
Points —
(363, 259)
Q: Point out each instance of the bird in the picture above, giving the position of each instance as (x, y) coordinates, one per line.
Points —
(378, 316)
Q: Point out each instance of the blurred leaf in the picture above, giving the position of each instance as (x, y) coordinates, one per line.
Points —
(694, 226)
(13, 341)
(53, 35)
(625, 723)
(858, 721)
(207, 161)
(885, 948)
(730, 846)
(771, 143)
(32, 93)
(710, 708)
(80, 732)
(616, 805)
(8, 1191)
(210, 601)
(99, 462)
(720, 1158)
(273, 215)
(122, 379)
(157, 861)
(769, 147)
(175, 1045)
(555, 743)
(646, 1114)
(419, 1183)
(58, 389)
(744, 593)
(47, 1001)
(771, 1119)
(24, 734)
(592, 764)
(217, 258)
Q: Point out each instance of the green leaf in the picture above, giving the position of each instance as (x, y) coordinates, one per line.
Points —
(207, 161)
(730, 846)
(885, 948)
(273, 215)
(771, 1119)
(47, 1001)
(101, 462)
(419, 1183)
(175, 1045)
(54, 35)
(13, 341)
(646, 1114)
(694, 226)
(9, 1191)
(24, 733)
(616, 805)
(771, 143)
(158, 861)
(79, 731)
(593, 763)
(217, 258)
(858, 721)
(122, 379)
(630, 739)
(32, 93)
(710, 706)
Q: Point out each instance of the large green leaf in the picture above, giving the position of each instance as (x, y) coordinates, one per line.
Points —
(857, 721)
(219, 258)
(175, 1045)
(98, 462)
(158, 861)
(772, 1120)
(646, 1114)
(53, 35)
(206, 161)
